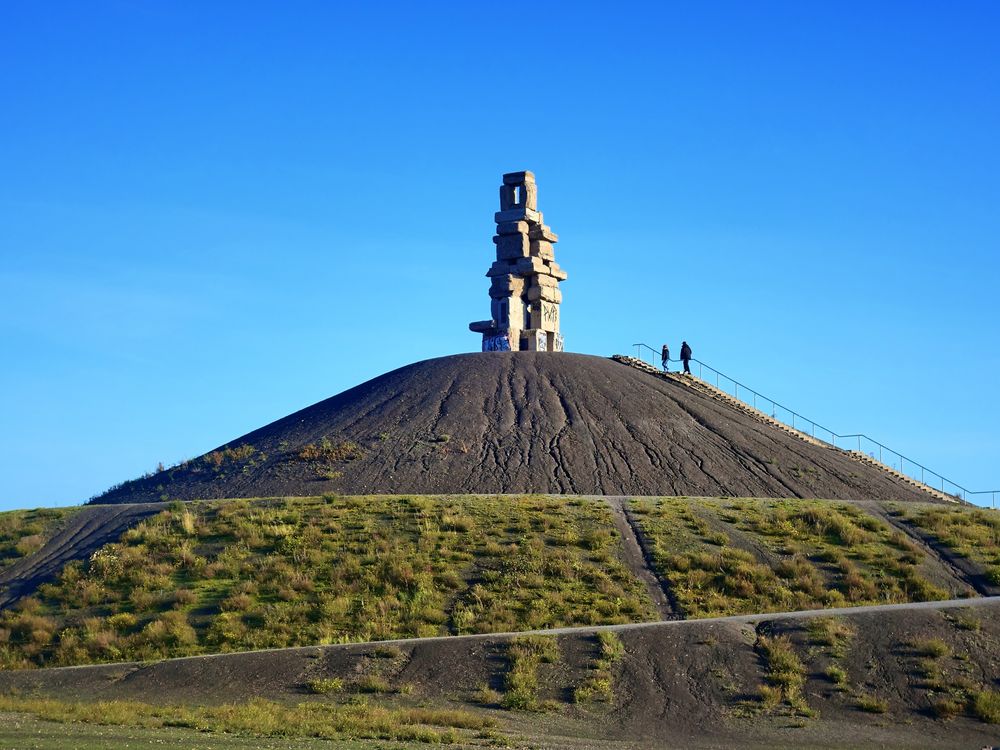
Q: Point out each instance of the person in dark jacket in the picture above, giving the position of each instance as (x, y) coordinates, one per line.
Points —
(665, 358)
(686, 356)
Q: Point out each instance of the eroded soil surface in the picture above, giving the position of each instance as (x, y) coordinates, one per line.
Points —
(678, 684)
(519, 422)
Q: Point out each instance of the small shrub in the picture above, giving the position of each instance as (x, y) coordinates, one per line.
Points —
(770, 696)
(934, 648)
(968, 622)
(487, 696)
(871, 704)
(323, 686)
(525, 653)
(946, 708)
(985, 705)
(372, 684)
(326, 450)
(387, 652)
(837, 675)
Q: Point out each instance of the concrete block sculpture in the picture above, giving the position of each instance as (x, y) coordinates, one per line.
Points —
(524, 280)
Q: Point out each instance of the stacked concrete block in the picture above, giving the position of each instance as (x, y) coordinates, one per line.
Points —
(524, 280)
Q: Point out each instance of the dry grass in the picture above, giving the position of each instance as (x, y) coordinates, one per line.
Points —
(828, 555)
(871, 704)
(23, 532)
(972, 533)
(786, 675)
(261, 718)
(524, 655)
(599, 683)
(985, 705)
(245, 574)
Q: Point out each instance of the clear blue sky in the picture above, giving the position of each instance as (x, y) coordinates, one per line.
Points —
(213, 214)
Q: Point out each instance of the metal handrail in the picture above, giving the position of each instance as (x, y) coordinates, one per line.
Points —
(798, 422)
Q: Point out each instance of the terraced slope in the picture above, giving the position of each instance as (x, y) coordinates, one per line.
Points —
(734, 556)
(73, 535)
(213, 576)
(899, 676)
(23, 532)
(241, 575)
(520, 422)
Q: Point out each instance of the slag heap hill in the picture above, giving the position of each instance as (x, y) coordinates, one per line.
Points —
(522, 417)
(520, 422)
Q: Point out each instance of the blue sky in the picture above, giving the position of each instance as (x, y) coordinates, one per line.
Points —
(214, 214)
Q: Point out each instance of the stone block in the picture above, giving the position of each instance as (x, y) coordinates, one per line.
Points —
(530, 265)
(512, 246)
(524, 195)
(529, 194)
(537, 341)
(556, 271)
(543, 280)
(483, 326)
(556, 342)
(544, 293)
(542, 232)
(508, 282)
(513, 227)
(542, 249)
(518, 315)
(516, 214)
(507, 201)
(516, 178)
(499, 343)
(545, 316)
(502, 268)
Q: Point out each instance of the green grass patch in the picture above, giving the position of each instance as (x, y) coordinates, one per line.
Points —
(524, 655)
(832, 634)
(235, 575)
(23, 532)
(781, 555)
(262, 718)
(324, 686)
(599, 683)
(934, 648)
(786, 675)
(970, 532)
(871, 704)
(985, 705)
(837, 675)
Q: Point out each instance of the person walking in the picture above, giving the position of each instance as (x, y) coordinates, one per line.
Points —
(665, 358)
(686, 356)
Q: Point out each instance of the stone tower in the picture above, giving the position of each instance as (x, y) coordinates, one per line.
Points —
(524, 280)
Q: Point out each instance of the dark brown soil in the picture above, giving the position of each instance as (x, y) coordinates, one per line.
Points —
(521, 422)
(680, 684)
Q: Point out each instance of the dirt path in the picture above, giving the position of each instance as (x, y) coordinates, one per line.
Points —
(86, 531)
(639, 559)
(960, 568)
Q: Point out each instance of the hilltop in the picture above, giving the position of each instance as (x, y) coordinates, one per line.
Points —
(519, 422)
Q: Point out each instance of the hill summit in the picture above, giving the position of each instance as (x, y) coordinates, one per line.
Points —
(519, 422)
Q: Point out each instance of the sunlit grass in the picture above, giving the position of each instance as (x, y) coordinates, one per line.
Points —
(247, 574)
(737, 556)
